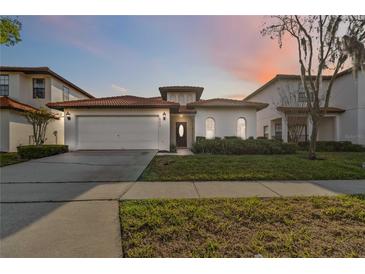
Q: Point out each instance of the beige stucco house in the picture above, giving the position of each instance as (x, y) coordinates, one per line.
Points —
(29, 88)
(345, 118)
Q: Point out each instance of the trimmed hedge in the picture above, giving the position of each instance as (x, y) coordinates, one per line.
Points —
(333, 146)
(33, 152)
(239, 146)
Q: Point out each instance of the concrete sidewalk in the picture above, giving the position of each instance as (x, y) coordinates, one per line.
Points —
(236, 189)
(81, 219)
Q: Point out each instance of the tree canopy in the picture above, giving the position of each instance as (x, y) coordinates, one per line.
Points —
(9, 31)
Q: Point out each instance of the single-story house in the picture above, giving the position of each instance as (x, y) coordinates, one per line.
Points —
(176, 117)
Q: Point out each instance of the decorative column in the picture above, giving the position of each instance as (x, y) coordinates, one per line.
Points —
(284, 128)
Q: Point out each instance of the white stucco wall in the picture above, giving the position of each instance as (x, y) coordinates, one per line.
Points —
(225, 120)
(71, 129)
(57, 91)
(4, 129)
(361, 108)
(344, 95)
(181, 97)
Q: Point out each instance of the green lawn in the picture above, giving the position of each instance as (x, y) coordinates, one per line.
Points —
(275, 227)
(9, 158)
(332, 165)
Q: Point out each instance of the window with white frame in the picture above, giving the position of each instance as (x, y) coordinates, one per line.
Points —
(266, 132)
(66, 93)
(241, 128)
(302, 97)
(4, 85)
(209, 128)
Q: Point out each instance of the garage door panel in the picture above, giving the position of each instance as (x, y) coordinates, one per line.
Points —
(118, 132)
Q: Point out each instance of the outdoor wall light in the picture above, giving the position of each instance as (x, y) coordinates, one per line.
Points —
(68, 115)
(164, 116)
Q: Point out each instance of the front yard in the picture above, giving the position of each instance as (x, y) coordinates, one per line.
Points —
(331, 166)
(10, 158)
(275, 227)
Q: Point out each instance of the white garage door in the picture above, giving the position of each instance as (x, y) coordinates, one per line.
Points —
(117, 132)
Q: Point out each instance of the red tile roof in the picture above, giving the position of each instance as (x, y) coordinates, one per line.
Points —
(126, 101)
(305, 110)
(44, 70)
(222, 102)
(8, 103)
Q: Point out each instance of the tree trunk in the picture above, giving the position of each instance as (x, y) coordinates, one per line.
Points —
(313, 140)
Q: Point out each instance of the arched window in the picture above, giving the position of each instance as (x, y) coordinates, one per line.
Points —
(241, 128)
(209, 128)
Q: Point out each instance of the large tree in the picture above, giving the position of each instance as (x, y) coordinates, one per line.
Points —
(9, 31)
(324, 44)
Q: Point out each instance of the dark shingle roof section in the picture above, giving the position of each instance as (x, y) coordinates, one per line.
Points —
(44, 70)
(8, 103)
(126, 101)
(222, 102)
(198, 90)
(305, 110)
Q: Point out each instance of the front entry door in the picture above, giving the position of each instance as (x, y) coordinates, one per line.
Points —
(181, 133)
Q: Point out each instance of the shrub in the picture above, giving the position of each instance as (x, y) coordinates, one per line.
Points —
(261, 138)
(33, 152)
(238, 146)
(333, 146)
(199, 138)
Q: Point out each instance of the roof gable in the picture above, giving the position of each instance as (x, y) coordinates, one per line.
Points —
(197, 90)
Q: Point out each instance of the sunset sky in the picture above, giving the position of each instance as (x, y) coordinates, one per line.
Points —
(114, 55)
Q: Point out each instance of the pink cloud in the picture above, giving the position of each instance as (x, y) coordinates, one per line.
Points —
(234, 44)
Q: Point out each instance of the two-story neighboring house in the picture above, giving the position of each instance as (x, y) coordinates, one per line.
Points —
(176, 117)
(29, 88)
(344, 120)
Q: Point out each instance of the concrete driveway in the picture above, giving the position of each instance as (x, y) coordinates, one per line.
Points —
(81, 166)
(67, 205)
